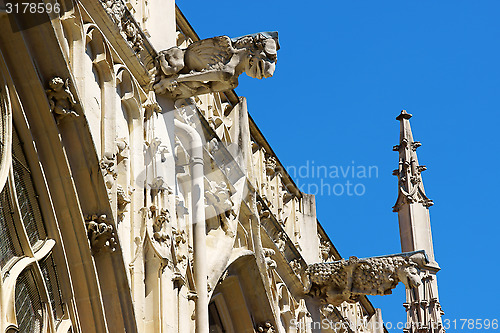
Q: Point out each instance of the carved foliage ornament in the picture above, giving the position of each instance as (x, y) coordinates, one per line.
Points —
(214, 64)
(346, 280)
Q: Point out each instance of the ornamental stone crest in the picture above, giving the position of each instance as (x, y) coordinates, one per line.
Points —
(214, 64)
(346, 280)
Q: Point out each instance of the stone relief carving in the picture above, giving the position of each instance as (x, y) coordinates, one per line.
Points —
(117, 10)
(213, 146)
(123, 148)
(264, 212)
(346, 280)
(151, 108)
(101, 234)
(214, 64)
(123, 199)
(280, 241)
(107, 165)
(296, 267)
(61, 99)
(270, 165)
(131, 34)
(266, 327)
(325, 249)
(160, 217)
(180, 258)
(218, 195)
(268, 253)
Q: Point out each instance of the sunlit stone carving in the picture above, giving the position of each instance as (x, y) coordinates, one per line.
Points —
(346, 280)
(214, 64)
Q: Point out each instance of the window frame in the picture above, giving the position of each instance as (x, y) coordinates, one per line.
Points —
(31, 257)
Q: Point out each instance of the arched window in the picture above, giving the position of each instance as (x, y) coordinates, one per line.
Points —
(30, 283)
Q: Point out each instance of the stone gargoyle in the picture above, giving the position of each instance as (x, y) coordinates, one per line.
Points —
(214, 64)
(347, 280)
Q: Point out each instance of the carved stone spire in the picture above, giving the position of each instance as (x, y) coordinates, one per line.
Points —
(412, 205)
(411, 188)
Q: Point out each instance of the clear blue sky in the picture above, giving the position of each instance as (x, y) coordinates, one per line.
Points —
(344, 72)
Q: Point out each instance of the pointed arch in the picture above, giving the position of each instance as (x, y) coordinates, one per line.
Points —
(245, 310)
(99, 92)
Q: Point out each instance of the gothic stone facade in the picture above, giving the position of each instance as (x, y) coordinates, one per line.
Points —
(137, 195)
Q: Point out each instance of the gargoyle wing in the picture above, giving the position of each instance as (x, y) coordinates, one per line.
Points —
(210, 53)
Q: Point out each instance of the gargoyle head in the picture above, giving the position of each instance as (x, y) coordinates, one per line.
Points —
(261, 60)
(409, 276)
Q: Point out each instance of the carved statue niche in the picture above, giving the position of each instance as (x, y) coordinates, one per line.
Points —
(214, 64)
(60, 98)
(346, 280)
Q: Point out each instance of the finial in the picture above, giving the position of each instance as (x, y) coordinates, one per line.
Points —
(411, 189)
(403, 115)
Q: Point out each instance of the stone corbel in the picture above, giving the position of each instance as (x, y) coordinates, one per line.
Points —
(151, 108)
(347, 280)
(101, 234)
(264, 212)
(61, 99)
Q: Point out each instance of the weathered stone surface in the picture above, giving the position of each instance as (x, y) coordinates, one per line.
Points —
(61, 99)
(346, 280)
(214, 64)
